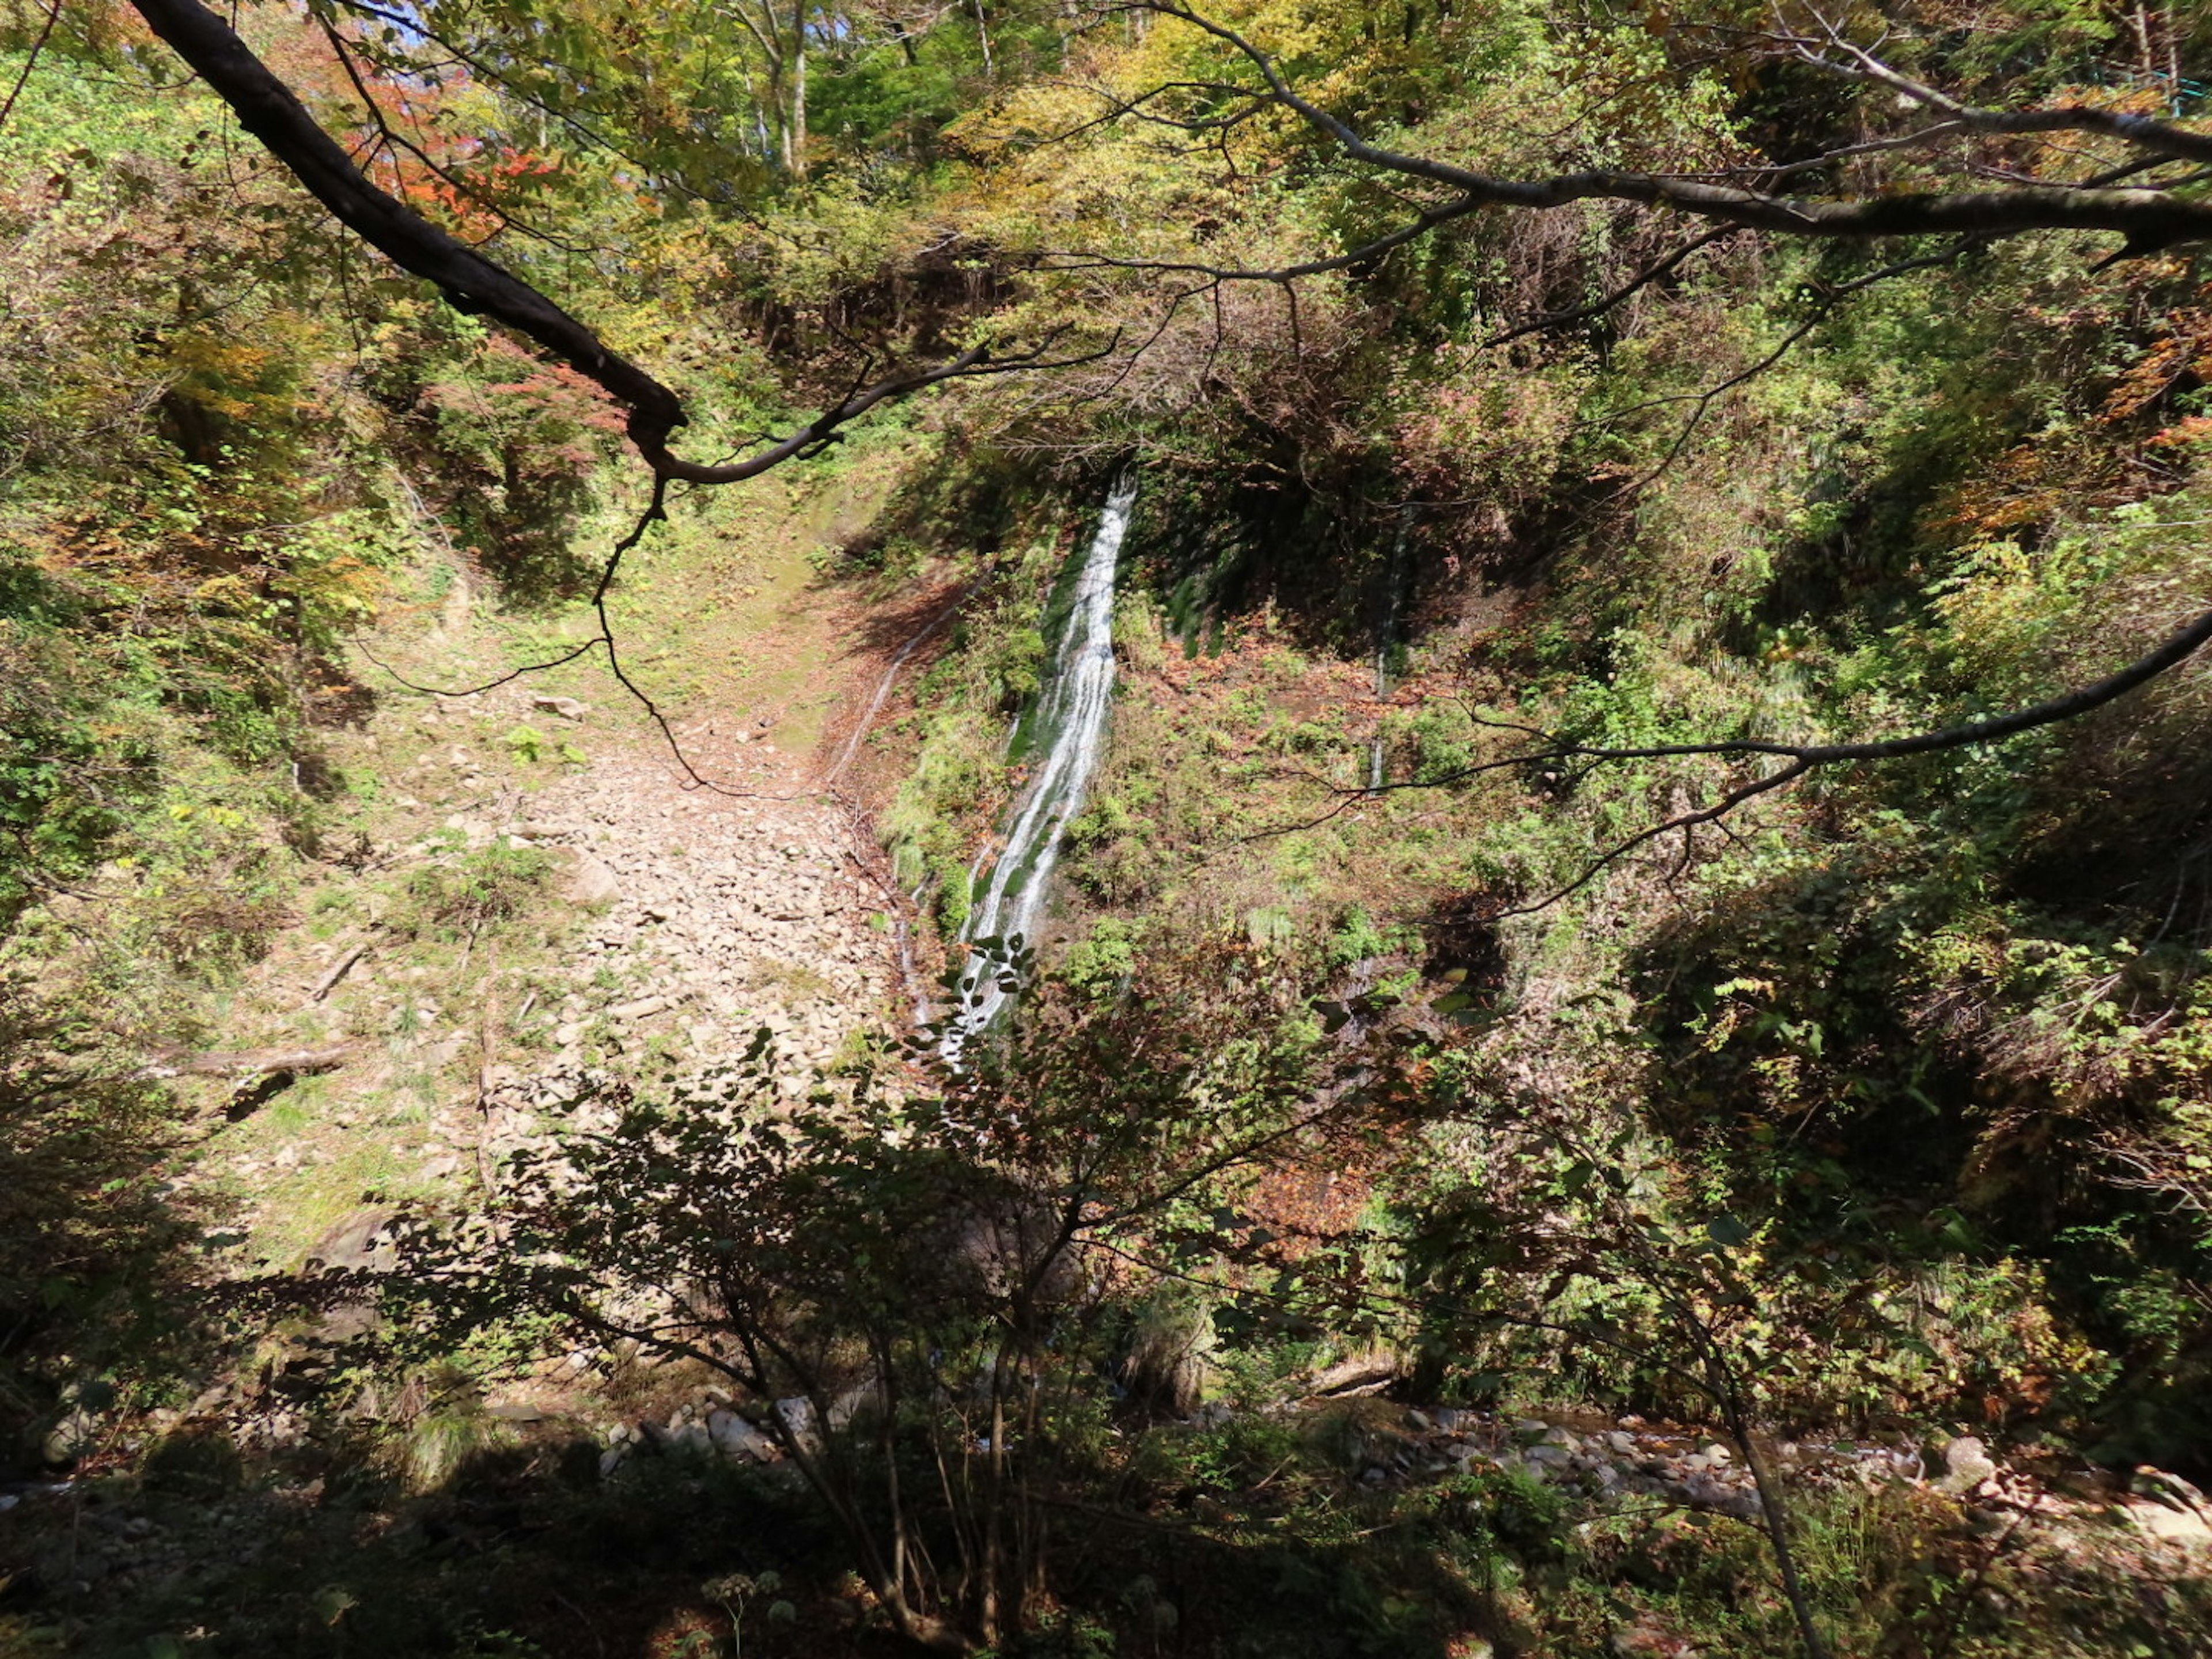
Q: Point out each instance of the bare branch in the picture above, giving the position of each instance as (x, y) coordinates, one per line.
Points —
(1801, 758)
(1635, 284)
(266, 107)
(1858, 63)
(2150, 220)
(31, 61)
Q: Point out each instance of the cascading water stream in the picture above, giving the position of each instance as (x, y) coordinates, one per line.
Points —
(1070, 720)
(1386, 634)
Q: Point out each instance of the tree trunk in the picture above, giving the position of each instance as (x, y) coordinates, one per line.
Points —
(797, 163)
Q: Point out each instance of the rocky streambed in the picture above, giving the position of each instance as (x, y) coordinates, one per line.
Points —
(1631, 1463)
(712, 914)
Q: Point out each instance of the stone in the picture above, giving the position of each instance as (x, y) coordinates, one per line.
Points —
(1530, 1429)
(1647, 1640)
(1965, 1464)
(1420, 1422)
(2170, 1489)
(592, 882)
(738, 1440)
(357, 1241)
(2170, 1526)
(69, 1439)
(797, 1415)
(566, 707)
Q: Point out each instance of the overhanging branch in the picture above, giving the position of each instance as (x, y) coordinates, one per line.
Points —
(269, 110)
(2149, 219)
(1799, 759)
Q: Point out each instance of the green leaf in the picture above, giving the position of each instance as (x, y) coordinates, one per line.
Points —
(1726, 1231)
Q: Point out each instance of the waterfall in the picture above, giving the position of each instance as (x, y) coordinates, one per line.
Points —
(1070, 726)
(1386, 633)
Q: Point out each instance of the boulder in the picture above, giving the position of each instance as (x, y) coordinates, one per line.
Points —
(2171, 1526)
(360, 1240)
(1962, 1464)
(592, 882)
(2170, 1489)
(738, 1440)
(797, 1415)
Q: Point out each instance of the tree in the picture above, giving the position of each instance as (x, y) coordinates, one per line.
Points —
(920, 1290)
(2144, 190)
(839, 1186)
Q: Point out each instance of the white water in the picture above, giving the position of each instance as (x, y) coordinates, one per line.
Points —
(1385, 636)
(1071, 715)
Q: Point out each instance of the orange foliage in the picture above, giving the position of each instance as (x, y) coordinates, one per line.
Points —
(2095, 464)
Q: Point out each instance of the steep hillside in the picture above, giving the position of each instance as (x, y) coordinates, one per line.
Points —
(1231, 968)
